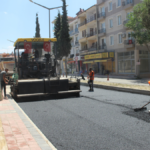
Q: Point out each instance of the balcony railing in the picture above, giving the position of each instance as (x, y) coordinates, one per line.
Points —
(103, 30)
(91, 19)
(76, 30)
(93, 48)
(102, 14)
(129, 41)
(124, 22)
(76, 43)
(126, 2)
(71, 32)
(103, 47)
(84, 48)
(91, 34)
(82, 23)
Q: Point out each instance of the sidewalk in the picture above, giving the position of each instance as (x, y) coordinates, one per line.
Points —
(17, 131)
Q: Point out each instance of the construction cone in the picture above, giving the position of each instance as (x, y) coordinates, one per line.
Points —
(107, 77)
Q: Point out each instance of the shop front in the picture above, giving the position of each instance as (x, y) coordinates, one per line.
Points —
(71, 65)
(126, 63)
(101, 62)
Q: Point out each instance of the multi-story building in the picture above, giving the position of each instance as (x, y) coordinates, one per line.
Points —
(106, 43)
(74, 59)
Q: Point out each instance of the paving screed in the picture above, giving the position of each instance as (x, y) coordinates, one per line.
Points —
(98, 120)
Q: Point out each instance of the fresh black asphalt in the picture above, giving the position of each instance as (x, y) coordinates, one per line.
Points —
(99, 120)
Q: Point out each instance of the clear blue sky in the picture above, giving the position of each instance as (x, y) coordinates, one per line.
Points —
(18, 18)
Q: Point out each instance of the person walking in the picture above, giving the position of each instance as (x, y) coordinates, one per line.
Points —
(4, 81)
(91, 79)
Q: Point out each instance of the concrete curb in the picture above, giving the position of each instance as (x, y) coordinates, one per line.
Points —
(144, 92)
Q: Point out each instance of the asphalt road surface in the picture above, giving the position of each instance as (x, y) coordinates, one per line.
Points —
(99, 120)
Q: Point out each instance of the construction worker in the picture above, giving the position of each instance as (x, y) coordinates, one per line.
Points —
(91, 79)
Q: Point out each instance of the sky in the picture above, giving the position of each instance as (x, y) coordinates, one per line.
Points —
(18, 18)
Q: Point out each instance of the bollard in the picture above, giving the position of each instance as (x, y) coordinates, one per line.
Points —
(107, 77)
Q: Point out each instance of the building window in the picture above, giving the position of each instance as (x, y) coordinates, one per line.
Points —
(111, 23)
(119, 20)
(111, 40)
(119, 3)
(120, 38)
(84, 33)
(110, 6)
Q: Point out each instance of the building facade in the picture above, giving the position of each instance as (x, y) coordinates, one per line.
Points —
(106, 44)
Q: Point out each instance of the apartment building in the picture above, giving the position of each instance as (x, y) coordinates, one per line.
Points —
(105, 43)
(74, 53)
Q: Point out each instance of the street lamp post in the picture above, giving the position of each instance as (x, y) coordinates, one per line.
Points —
(49, 14)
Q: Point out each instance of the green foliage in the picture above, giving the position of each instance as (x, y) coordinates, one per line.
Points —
(139, 22)
(65, 40)
(57, 34)
(37, 34)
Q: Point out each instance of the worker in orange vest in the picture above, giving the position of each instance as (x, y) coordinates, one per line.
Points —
(91, 79)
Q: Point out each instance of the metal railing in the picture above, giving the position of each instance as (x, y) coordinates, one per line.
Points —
(91, 34)
(124, 22)
(71, 32)
(76, 30)
(102, 14)
(76, 43)
(129, 41)
(103, 30)
(82, 23)
(91, 19)
(126, 2)
(93, 48)
(103, 47)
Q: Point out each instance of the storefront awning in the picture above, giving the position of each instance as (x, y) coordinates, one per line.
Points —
(88, 62)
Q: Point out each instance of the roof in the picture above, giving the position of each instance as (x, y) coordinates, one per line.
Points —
(34, 40)
(85, 10)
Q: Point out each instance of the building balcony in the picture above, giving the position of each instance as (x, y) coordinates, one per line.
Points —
(72, 44)
(100, 2)
(83, 51)
(124, 23)
(82, 23)
(102, 32)
(71, 32)
(103, 47)
(82, 39)
(130, 43)
(76, 43)
(91, 34)
(101, 16)
(91, 19)
(93, 48)
(127, 4)
(76, 30)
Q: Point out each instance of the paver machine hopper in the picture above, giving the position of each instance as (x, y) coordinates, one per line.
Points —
(35, 71)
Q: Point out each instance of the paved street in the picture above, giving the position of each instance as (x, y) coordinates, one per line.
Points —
(99, 120)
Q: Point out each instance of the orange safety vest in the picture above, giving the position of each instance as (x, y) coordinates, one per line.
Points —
(91, 74)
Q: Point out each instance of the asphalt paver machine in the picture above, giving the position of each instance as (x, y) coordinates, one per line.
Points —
(35, 72)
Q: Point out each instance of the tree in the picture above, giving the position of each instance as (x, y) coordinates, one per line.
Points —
(64, 37)
(139, 22)
(58, 53)
(37, 34)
